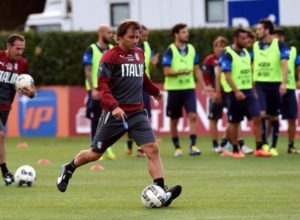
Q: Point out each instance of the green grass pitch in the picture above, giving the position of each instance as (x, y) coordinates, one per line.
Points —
(213, 187)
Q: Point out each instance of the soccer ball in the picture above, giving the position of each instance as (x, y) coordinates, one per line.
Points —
(25, 176)
(153, 196)
(24, 80)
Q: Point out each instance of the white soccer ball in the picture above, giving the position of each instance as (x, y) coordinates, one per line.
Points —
(25, 176)
(23, 80)
(153, 196)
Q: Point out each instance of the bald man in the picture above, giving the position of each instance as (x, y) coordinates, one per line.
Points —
(91, 58)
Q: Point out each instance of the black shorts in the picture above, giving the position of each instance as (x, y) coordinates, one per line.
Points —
(215, 110)
(110, 130)
(289, 108)
(269, 98)
(93, 108)
(237, 110)
(178, 99)
(3, 119)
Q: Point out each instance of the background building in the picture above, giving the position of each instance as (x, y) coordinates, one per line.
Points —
(162, 14)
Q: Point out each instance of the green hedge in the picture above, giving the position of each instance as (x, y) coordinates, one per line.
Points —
(55, 57)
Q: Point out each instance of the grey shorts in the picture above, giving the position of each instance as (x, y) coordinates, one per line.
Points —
(3, 119)
(110, 130)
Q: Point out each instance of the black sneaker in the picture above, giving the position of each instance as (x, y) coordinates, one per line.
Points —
(63, 179)
(172, 194)
(292, 150)
(8, 178)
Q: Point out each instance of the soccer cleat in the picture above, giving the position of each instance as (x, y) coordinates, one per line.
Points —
(193, 151)
(238, 155)
(292, 150)
(217, 149)
(140, 153)
(63, 179)
(246, 150)
(8, 178)
(110, 154)
(262, 153)
(266, 147)
(178, 152)
(274, 151)
(172, 194)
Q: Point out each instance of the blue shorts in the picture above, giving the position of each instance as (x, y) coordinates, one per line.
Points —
(146, 100)
(237, 110)
(3, 119)
(178, 99)
(269, 97)
(111, 129)
(289, 108)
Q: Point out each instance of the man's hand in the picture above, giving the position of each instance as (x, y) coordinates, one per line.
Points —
(158, 97)
(208, 91)
(239, 95)
(282, 89)
(118, 113)
(218, 97)
(95, 94)
(28, 91)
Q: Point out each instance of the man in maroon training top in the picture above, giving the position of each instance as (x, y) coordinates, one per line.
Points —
(121, 84)
(11, 65)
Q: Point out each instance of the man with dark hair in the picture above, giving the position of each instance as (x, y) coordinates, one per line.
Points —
(12, 64)
(289, 107)
(181, 67)
(236, 64)
(121, 83)
(270, 76)
(90, 60)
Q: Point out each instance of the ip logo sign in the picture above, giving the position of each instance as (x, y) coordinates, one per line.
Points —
(38, 116)
(247, 13)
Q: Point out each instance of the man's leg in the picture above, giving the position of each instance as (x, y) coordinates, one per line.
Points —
(155, 166)
(175, 137)
(291, 136)
(291, 131)
(241, 142)
(2, 150)
(264, 133)
(214, 134)
(257, 128)
(108, 132)
(193, 126)
(274, 132)
(8, 178)
(129, 144)
(155, 169)
(289, 111)
(67, 170)
(233, 131)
